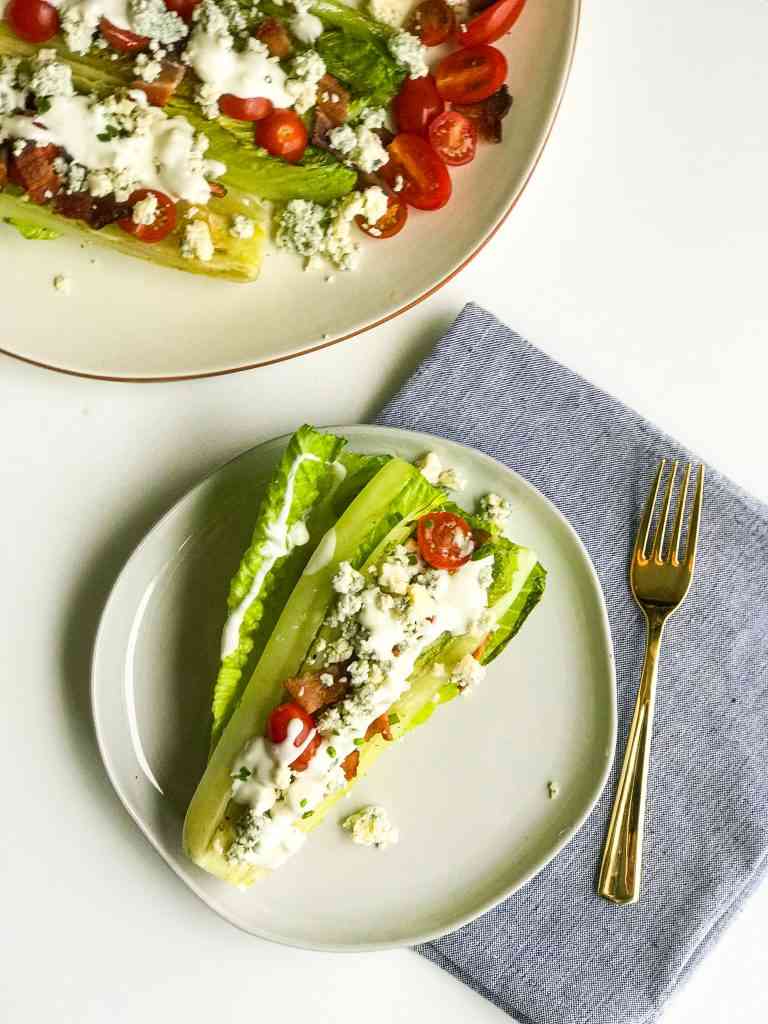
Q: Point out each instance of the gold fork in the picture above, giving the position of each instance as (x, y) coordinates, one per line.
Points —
(659, 581)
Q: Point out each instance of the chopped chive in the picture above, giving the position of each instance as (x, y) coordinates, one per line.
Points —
(359, 741)
(303, 803)
(331, 751)
(244, 774)
(307, 814)
(394, 718)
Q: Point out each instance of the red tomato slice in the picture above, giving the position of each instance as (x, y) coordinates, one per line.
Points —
(491, 24)
(255, 108)
(277, 731)
(161, 226)
(471, 75)
(121, 39)
(388, 225)
(433, 22)
(445, 540)
(184, 8)
(427, 182)
(417, 103)
(32, 20)
(283, 134)
(454, 138)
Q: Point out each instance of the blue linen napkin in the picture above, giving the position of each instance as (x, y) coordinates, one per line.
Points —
(555, 952)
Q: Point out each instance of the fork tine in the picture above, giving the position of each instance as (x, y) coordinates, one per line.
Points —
(643, 533)
(661, 529)
(693, 529)
(674, 546)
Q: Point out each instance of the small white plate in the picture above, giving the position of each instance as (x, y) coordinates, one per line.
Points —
(128, 320)
(468, 790)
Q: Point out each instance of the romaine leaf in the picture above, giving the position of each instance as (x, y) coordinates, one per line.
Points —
(305, 474)
(33, 232)
(364, 65)
(513, 619)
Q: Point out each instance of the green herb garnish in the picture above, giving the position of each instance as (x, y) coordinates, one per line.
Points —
(394, 718)
(331, 751)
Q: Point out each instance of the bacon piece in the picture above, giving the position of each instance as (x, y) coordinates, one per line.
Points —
(322, 126)
(97, 212)
(333, 100)
(312, 695)
(274, 35)
(33, 170)
(217, 189)
(488, 114)
(3, 168)
(379, 727)
(165, 85)
(350, 764)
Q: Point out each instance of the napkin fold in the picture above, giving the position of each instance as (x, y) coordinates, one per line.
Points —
(555, 952)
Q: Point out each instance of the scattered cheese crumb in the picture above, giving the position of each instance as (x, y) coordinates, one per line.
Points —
(145, 211)
(452, 480)
(370, 826)
(242, 227)
(197, 243)
(431, 466)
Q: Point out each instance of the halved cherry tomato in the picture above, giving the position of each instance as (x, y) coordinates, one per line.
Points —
(427, 182)
(32, 20)
(388, 225)
(470, 75)
(283, 134)
(161, 226)
(454, 138)
(255, 108)
(433, 22)
(417, 103)
(277, 731)
(184, 8)
(121, 39)
(490, 24)
(445, 540)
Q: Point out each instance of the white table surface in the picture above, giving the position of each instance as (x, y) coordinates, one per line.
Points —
(637, 255)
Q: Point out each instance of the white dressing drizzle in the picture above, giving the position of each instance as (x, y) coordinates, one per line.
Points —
(458, 600)
(164, 155)
(279, 541)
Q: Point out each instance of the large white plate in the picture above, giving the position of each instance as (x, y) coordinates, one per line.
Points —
(468, 790)
(129, 320)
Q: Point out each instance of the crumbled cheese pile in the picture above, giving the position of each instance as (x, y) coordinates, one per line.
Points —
(358, 142)
(371, 826)
(496, 509)
(394, 13)
(408, 51)
(80, 21)
(315, 231)
(432, 469)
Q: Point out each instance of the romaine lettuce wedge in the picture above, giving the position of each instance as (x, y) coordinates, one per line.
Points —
(509, 601)
(234, 258)
(307, 472)
(318, 176)
(398, 494)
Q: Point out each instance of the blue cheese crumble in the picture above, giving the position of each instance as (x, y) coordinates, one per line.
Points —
(408, 51)
(197, 243)
(242, 227)
(371, 826)
(145, 211)
(496, 509)
(359, 144)
(314, 231)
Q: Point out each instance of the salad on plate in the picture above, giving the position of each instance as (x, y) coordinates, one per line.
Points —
(365, 599)
(188, 132)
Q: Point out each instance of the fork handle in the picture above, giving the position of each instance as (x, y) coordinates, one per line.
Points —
(622, 854)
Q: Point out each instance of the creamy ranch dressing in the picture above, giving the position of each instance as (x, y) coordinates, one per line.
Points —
(246, 74)
(279, 541)
(460, 598)
(92, 11)
(306, 26)
(162, 157)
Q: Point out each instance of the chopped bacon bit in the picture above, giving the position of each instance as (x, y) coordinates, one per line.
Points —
(480, 537)
(311, 694)
(32, 169)
(165, 85)
(274, 35)
(3, 168)
(487, 115)
(321, 128)
(350, 764)
(97, 212)
(217, 189)
(379, 727)
(333, 100)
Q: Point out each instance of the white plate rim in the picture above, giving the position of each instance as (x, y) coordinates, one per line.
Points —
(454, 924)
(535, 156)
